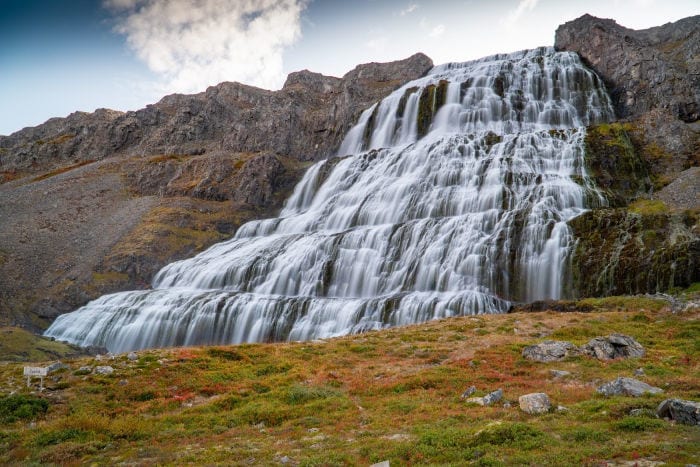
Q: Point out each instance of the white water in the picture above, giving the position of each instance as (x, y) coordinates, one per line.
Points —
(404, 228)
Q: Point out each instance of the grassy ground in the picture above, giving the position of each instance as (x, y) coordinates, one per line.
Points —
(391, 395)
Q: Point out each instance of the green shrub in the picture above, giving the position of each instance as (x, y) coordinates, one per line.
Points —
(297, 395)
(16, 407)
(639, 424)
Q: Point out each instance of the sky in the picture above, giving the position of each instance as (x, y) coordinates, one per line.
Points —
(59, 56)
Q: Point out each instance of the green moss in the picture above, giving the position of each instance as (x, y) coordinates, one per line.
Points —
(648, 206)
(614, 164)
(643, 250)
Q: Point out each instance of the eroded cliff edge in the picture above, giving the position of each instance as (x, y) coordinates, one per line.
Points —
(97, 203)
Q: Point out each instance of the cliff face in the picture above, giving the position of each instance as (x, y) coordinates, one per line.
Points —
(97, 203)
(647, 162)
(653, 77)
(305, 120)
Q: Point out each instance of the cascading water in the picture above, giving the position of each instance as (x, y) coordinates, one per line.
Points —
(449, 197)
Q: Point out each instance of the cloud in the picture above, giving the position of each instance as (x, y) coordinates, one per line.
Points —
(409, 9)
(192, 44)
(514, 15)
(437, 31)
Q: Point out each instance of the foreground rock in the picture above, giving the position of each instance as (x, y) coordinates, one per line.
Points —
(627, 387)
(535, 403)
(613, 346)
(687, 412)
(550, 351)
(489, 399)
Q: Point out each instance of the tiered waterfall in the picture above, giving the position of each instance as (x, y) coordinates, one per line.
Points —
(449, 197)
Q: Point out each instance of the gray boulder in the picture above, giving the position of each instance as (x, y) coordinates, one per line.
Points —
(489, 399)
(132, 356)
(686, 412)
(550, 351)
(627, 387)
(613, 346)
(535, 403)
(104, 370)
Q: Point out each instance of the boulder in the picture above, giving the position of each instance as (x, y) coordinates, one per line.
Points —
(488, 399)
(535, 403)
(559, 373)
(132, 356)
(550, 351)
(468, 392)
(682, 411)
(627, 387)
(104, 370)
(613, 346)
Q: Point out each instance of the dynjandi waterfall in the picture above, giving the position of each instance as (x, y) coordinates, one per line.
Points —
(449, 197)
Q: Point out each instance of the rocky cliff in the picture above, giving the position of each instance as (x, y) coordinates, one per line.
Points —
(647, 162)
(95, 203)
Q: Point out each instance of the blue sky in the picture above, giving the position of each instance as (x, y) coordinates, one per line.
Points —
(58, 56)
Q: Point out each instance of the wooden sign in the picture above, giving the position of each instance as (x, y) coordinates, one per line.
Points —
(35, 371)
(31, 371)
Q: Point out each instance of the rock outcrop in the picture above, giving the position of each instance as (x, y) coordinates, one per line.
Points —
(646, 163)
(682, 411)
(612, 347)
(653, 77)
(550, 351)
(305, 120)
(97, 203)
(627, 387)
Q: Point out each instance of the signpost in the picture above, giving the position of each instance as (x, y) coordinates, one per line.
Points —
(31, 371)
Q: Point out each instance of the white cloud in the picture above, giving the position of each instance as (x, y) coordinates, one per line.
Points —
(409, 9)
(514, 15)
(437, 31)
(193, 44)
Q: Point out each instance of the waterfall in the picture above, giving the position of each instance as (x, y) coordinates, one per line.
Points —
(449, 197)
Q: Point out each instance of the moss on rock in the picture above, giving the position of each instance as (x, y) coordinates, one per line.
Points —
(621, 251)
(614, 163)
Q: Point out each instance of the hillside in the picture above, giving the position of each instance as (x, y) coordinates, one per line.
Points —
(392, 395)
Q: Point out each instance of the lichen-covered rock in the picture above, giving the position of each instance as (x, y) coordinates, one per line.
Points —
(682, 411)
(627, 387)
(613, 346)
(550, 351)
(535, 403)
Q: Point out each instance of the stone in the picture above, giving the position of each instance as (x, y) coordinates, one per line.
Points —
(613, 346)
(535, 403)
(85, 369)
(488, 399)
(468, 392)
(682, 411)
(104, 370)
(559, 373)
(627, 387)
(549, 351)
(132, 356)
(381, 464)
(57, 366)
(639, 372)
(493, 397)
